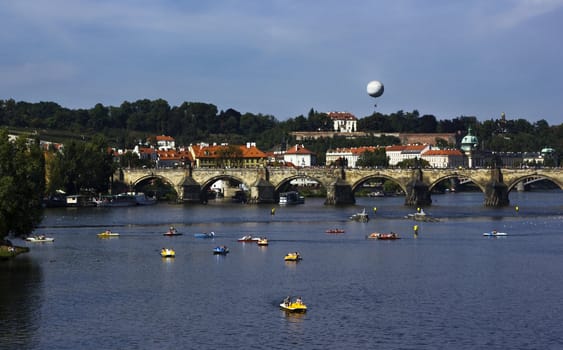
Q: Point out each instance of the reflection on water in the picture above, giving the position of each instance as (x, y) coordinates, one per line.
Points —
(436, 291)
(20, 302)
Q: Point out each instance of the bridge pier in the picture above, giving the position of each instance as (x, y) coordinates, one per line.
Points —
(262, 192)
(190, 191)
(496, 191)
(417, 191)
(339, 193)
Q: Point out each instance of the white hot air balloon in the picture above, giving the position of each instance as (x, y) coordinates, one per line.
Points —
(375, 89)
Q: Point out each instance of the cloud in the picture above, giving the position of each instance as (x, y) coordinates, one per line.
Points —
(525, 10)
(283, 57)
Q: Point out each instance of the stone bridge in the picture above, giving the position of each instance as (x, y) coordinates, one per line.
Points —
(265, 183)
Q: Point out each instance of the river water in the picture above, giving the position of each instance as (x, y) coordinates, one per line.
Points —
(450, 288)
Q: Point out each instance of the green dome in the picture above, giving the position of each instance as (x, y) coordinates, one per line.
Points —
(469, 142)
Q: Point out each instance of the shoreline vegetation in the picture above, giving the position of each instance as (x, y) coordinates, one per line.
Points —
(9, 251)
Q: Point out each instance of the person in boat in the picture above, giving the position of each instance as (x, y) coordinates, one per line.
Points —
(287, 300)
(298, 300)
(108, 232)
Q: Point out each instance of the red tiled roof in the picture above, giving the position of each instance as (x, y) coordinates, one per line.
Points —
(147, 150)
(164, 138)
(214, 151)
(443, 152)
(297, 149)
(405, 148)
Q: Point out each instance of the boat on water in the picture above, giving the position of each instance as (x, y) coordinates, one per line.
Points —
(108, 234)
(296, 305)
(39, 239)
(388, 236)
(495, 233)
(376, 194)
(142, 198)
(79, 200)
(248, 238)
(167, 253)
(204, 235)
(291, 198)
(120, 200)
(295, 256)
(421, 215)
(361, 216)
(172, 232)
(221, 250)
(334, 230)
(239, 197)
(262, 241)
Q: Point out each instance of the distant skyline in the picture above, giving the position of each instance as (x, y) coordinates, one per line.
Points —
(449, 59)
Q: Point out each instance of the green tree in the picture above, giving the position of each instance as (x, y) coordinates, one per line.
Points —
(411, 163)
(22, 184)
(83, 166)
(373, 159)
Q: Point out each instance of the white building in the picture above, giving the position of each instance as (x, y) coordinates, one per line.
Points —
(397, 154)
(165, 143)
(443, 158)
(343, 121)
(300, 156)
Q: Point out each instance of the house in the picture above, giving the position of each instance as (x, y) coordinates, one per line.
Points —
(146, 153)
(398, 153)
(225, 155)
(444, 158)
(168, 159)
(343, 121)
(164, 143)
(298, 155)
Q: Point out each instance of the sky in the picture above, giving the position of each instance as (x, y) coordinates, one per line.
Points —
(285, 57)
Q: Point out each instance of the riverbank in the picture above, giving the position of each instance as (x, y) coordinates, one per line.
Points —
(7, 251)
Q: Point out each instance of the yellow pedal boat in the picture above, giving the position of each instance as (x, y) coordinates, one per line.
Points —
(108, 234)
(293, 257)
(167, 253)
(296, 305)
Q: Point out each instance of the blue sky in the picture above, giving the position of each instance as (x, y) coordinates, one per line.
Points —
(282, 58)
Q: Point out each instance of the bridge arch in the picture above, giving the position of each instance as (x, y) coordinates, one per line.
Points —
(455, 176)
(150, 177)
(140, 180)
(279, 186)
(208, 182)
(515, 181)
(365, 179)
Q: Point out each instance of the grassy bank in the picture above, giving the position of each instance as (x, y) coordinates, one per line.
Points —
(7, 252)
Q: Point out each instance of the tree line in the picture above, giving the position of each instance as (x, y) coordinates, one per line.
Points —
(192, 122)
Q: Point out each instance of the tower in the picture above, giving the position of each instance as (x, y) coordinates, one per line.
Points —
(469, 144)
